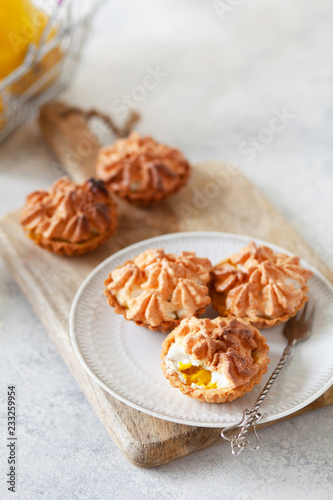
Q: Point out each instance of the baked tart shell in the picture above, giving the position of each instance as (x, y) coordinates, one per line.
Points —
(69, 248)
(146, 199)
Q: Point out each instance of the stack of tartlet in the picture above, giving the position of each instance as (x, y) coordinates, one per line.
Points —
(218, 360)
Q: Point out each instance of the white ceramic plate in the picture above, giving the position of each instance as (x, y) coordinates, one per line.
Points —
(125, 358)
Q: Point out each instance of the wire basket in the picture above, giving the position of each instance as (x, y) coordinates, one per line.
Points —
(49, 67)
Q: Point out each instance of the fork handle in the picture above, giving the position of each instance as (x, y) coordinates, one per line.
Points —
(252, 416)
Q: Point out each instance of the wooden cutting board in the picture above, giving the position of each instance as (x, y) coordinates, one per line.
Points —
(218, 198)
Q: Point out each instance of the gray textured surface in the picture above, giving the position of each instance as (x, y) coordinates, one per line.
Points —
(226, 76)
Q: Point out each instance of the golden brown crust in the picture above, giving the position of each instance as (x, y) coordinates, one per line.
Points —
(71, 249)
(223, 395)
(141, 170)
(155, 287)
(263, 287)
(70, 219)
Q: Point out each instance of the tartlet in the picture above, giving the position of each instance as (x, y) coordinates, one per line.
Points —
(260, 286)
(70, 219)
(214, 361)
(141, 170)
(158, 290)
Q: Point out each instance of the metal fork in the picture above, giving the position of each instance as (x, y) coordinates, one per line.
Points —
(296, 329)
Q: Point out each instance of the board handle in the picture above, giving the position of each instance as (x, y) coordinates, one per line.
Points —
(67, 132)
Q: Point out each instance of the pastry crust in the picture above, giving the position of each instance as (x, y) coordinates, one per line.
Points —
(70, 219)
(231, 346)
(157, 290)
(142, 170)
(260, 286)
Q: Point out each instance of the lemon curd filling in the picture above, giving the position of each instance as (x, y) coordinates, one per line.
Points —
(196, 375)
(193, 372)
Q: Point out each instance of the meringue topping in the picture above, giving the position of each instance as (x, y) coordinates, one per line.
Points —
(258, 282)
(142, 170)
(156, 287)
(69, 213)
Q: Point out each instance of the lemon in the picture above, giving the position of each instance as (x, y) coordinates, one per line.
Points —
(21, 23)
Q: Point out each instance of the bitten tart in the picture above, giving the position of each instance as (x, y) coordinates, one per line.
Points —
(157, 290)
(260, 286)
(142, 170)
(214, 361)
(70, 219)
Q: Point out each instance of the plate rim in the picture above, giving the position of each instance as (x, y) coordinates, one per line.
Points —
(176, 235)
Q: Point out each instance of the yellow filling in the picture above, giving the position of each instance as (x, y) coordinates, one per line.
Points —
(196, 375)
